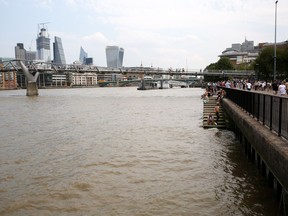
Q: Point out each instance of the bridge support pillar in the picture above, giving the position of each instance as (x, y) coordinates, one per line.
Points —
(161, 84)
(32, 89)
(142, 86)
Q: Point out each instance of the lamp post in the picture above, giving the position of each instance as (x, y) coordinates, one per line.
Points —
(274, 74)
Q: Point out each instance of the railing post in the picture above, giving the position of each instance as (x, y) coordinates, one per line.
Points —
(271, 107)
(264, 108)
(258, 107)
(252, 106)
(280, 117)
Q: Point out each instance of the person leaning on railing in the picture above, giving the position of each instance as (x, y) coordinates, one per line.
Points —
(282, 89)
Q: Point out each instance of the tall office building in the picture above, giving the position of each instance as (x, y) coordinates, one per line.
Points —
(20, 52)
(43, 46)
(83, 55)
(58, 52)
(31, 55)
(114, 56)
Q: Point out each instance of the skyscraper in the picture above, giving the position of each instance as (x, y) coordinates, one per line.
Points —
(58, 52)
(31, 55)
(114, 56)
(43, 46)
(20, 52)
(83, 55)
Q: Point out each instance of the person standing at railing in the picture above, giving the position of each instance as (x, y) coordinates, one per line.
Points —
(282, 89)
(275, 87)
(248, 86)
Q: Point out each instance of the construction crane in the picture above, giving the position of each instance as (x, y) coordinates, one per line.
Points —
(43, 27)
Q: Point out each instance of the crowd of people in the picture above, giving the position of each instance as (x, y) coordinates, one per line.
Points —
(278, 87)
(210, 91)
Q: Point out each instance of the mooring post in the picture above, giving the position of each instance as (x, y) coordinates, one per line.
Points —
(32, 89)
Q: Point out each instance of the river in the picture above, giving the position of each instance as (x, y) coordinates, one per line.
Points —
(119, 151)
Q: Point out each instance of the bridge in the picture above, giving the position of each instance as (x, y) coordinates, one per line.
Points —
(41, 67)
(32, 69)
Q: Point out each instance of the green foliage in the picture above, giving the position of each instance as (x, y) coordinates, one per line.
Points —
(245, 66)
(221, 64)
(264, 64)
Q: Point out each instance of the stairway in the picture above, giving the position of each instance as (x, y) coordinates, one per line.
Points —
(209, 108)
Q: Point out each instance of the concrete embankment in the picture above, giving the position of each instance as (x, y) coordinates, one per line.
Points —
(270, 151)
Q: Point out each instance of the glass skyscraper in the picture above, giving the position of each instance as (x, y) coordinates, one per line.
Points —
(83, 55)
(43, 46)
(58, 52)
(114, 56)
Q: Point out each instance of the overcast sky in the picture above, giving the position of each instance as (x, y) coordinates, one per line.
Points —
(162, 33)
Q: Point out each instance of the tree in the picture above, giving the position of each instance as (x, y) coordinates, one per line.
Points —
(264, 64)
(221, 64)
(224, 64)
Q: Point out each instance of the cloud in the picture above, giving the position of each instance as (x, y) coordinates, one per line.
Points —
(3, 2)
(44, 3)
(162, 33)
(97, 37)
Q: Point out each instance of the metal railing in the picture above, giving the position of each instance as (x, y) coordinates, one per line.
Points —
(270, 110)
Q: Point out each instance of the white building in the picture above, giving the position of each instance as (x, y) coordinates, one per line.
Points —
(84, 79)
(241, 53)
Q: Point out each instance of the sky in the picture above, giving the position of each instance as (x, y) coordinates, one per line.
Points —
(186, 34)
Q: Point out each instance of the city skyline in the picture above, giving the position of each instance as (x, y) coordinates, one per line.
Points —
(166, 34)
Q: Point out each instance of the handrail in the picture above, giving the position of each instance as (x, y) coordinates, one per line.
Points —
(270, 110)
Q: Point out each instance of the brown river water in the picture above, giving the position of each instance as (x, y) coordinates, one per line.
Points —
(119, 151)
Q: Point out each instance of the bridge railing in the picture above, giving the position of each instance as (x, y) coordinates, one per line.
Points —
(270, 110)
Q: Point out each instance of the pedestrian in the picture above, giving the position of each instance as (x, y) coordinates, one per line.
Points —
(282, 89)
(210, 119)
(275, 87)
(216, 110)
(248, 85)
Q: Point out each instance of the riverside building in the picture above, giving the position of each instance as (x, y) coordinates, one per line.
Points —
(241, 53)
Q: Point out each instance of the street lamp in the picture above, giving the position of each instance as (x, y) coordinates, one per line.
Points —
(274, 74)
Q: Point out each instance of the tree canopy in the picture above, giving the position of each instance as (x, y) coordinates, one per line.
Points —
(264, 64)
(221, 64)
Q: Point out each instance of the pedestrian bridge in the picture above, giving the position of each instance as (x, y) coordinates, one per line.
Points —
(33, 69)
(44, 67)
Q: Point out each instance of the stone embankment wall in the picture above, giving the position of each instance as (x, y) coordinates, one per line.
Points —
(268, 151)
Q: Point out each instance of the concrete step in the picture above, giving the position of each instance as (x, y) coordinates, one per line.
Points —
(214, 126)
(209, 108)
